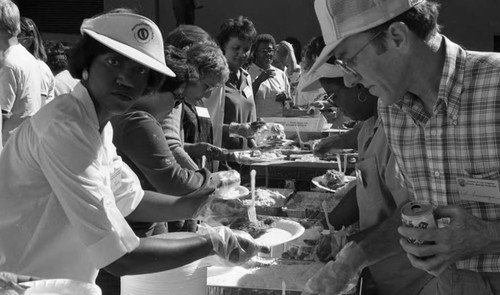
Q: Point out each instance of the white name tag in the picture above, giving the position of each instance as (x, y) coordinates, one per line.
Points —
(202, 112)
(248, 92)
(479, 190)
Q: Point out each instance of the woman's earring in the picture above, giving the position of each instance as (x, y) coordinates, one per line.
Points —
(85, 75)
(362, 96)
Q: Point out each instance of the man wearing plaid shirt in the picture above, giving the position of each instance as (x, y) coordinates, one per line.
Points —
(440, 107)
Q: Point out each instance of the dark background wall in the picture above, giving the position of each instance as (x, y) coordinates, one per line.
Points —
(473, 24)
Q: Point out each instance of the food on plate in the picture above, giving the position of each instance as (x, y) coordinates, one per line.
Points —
(269, 134)
(333, 179)
(251, 228)
(252, 156)
(267, 198)
(305, 204)
(228, 181)
(303, 247)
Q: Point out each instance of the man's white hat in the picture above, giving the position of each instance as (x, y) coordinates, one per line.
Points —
(131, 35)
(326, 70)
(340, 19)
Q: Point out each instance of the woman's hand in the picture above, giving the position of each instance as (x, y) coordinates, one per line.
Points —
(234, 247)
(212, 152)
(266, 74)
(9, 283)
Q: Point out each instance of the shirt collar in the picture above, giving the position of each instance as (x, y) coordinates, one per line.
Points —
(451, 85)
(82, 95)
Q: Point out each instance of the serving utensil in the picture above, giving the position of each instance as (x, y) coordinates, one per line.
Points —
(252, 215)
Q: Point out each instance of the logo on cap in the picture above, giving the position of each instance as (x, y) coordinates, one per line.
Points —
(143, 32)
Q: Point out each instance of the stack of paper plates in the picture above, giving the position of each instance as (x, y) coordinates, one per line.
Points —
(61, 287)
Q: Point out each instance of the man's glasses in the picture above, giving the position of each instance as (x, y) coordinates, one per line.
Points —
(343, 64)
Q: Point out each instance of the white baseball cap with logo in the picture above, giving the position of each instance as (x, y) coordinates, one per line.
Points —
(326, 70)
(340, 19)
(131, 35)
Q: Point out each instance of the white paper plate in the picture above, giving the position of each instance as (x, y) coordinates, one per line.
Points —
(61, 287)
(237, 192)
(283, 231)
(318, 180)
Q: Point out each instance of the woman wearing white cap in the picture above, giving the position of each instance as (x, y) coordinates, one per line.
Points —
(65, 193)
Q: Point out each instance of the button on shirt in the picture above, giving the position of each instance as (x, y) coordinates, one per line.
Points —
(65, 193)
(460, 139)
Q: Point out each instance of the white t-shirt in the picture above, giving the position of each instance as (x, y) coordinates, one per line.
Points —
(20, 87)
(64, 83)
(265, 98)
(48, 82)
(64, 194)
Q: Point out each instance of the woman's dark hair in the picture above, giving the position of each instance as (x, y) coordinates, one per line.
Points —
(30, 30)
(241, 27)
(311, 51)
(57, 56)
(421, 20)
(176, 60)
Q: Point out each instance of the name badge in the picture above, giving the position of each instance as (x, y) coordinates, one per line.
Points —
(202, 112)
(248, 92)
(479, 190)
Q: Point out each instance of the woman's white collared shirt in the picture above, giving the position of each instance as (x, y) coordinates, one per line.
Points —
(64, 194)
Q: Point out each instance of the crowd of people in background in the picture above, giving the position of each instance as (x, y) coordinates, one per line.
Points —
(125, 135)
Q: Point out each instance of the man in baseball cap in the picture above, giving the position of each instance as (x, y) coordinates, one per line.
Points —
(438, 105)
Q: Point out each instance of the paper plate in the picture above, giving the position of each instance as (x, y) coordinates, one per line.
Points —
(283, 231)
(235, 193)
(61, 287)
(317, 182)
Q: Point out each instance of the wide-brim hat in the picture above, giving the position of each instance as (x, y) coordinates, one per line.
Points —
(326, 70)
(131, 35)
(340, 19)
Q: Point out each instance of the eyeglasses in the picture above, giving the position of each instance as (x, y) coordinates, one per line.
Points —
(267, 51)
(344, 64)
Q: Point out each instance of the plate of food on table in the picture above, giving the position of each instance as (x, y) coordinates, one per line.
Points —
(271, 231)
(258, 156)
(332, 180)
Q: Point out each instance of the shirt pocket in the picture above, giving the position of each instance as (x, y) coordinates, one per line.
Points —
(488, 175)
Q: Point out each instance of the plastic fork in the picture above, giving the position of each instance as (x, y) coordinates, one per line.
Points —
(301, 143)
(252, 215)
(325, 210)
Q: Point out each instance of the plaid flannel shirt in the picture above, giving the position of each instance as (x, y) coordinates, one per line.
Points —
(460, 139)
